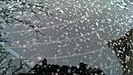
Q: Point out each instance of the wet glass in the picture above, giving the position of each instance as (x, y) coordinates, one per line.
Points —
(67, 32)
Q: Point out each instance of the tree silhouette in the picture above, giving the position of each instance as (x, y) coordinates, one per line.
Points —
(11, 7)
(43, 68)
(8, 11)
(123, 48)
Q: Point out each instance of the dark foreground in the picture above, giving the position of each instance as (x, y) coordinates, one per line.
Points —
(43, 68)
